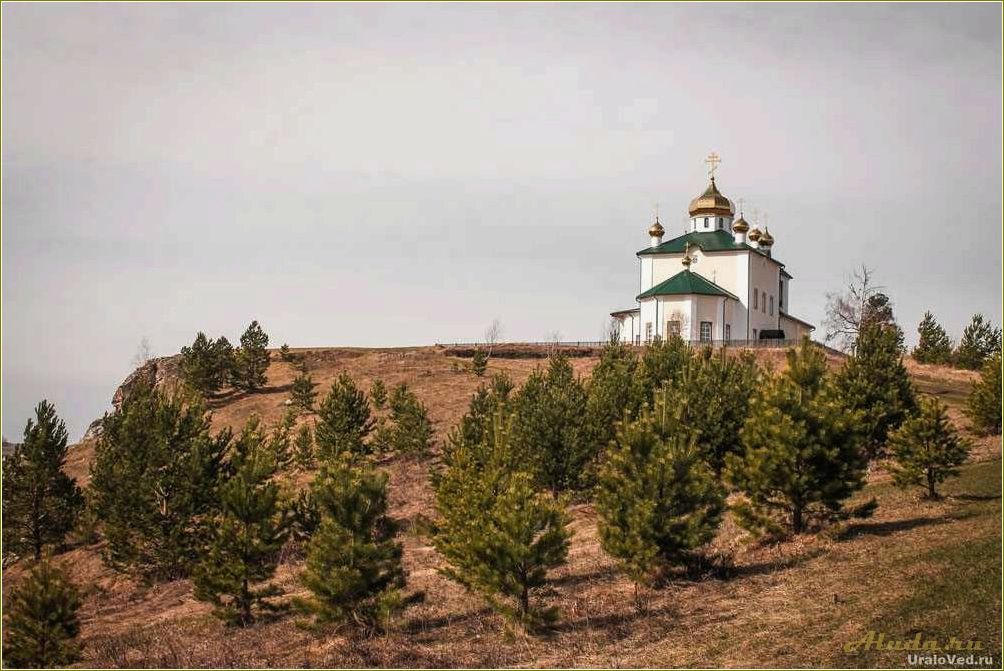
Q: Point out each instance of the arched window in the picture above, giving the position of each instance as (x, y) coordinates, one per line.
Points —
(772, 305)
(763, 301)
(756, 298)
(705, 222)
(719, 223)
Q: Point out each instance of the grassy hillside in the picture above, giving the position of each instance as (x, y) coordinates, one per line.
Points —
(929, 567)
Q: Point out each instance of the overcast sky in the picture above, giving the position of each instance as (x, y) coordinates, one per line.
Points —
(402, 174)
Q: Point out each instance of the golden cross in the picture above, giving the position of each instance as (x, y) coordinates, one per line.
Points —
(657, 211)
(712, 160)
(740, 207)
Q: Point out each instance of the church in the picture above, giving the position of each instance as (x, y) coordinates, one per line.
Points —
(717, 283)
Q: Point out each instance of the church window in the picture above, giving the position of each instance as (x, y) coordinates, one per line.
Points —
(763, 301)
(673, 327)
(756, 298)
(719, 223)
(754, 334)
(705, 222)
(772, 305)
(705, 331)
(728, 332)
(648, 331)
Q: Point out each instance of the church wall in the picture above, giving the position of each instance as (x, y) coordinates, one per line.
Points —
(722, 269)
(794, 330)
(764, 276)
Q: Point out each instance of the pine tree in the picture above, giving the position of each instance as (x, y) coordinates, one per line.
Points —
(984, 403)
(926, 448)
(285, 353)
(247, 534)
(198, 364)
(612, 395)
(41, 503)
(663, 361)
(934, 345)
(378, 394)
(302, 393)
(547, 426)
(875, 382)
(657, 499)
(473, 432)
(343, 421)
(479, 364)
(411, 431)
(801, 456)
(498, 534)
(878, 312)
(979, 342)
(40, 620)
(154, 481)
(303, 448)
(252, 359)
(712, 393)
(353, 568)
(222, 363)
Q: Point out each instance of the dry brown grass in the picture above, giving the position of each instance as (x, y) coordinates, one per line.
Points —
(786, 604)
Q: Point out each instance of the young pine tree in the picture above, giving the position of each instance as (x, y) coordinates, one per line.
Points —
(498, 534)
(468, 439)
(984, 403)
(343, 421)
(353, 569)
(252, 359)
(657, 499)
(41, 503)
(547, 426)
(611, 396)
(411, 431)
(303, 448)
(875, 383)
(979, 342)
(927, 450)
(801, 456)
(302, 393)
(247, 534)
(154, 480)
(663, 361)
(712, 393)
(378, 394)
(479, 364)
(934, 345)
(40, 620)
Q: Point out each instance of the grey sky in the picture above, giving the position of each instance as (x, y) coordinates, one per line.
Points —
(401, 174)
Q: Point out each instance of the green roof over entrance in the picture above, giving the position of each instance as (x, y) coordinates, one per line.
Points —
(686, 283)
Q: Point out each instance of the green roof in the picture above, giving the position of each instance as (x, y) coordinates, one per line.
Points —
(684, 283)
(708, 241)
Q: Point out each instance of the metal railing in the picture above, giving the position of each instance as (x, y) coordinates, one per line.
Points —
(766, 343)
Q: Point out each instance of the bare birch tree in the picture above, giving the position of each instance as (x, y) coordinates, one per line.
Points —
(846, 310)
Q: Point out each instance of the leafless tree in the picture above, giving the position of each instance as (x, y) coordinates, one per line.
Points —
(493, 334)
(143, 353)
(553, 340)
(846, 310)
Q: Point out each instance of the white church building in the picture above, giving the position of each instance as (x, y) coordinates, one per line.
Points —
(718, 282)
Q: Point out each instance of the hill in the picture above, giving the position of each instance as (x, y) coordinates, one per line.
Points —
(922, 566)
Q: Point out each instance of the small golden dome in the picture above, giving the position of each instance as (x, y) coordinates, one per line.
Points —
(656, 230)
(766, 240)
(740, 226)
(712, 202)
(754, 234)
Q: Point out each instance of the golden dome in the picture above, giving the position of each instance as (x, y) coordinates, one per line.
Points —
(740, 226)
(754, 235)
(766, 240)
(711, 202)
(656, 230)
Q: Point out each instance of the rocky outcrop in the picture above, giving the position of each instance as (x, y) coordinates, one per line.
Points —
(163, 372)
